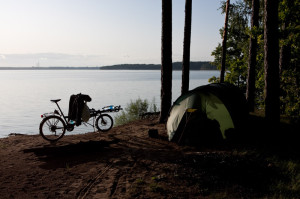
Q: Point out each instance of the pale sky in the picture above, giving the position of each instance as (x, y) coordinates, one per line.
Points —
(101, 32)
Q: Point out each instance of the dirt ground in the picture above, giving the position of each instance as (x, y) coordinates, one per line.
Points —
(126, 163)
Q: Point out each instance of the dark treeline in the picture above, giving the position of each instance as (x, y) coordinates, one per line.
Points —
(205, 65)
(176, 66)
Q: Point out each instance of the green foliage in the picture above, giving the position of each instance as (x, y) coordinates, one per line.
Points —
(214, 79)
(290, 103)
(155, 185)
(289, 17)
(134, 110)
(237, 45)
(239, 34)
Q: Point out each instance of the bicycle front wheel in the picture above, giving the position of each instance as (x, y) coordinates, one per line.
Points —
(104, 122)
(52, 128)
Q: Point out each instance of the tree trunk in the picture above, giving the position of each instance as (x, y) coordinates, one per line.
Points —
(222, 74)
(271, 62)
(186, 47)
(166, 60)
(285, 57)
(250, 93)
(285, 50)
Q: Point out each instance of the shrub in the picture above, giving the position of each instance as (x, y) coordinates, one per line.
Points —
(134, 110)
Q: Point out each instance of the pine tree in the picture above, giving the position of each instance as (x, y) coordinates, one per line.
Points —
(250, 93)
(166, 60)
(271, 62)
(222, 74)
(186, 47)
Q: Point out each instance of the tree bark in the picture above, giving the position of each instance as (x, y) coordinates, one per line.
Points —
(285, 57)
(285, 50)
(186, 47)
(223, 61)
(166, 60)
(250, 93)
(271, 62)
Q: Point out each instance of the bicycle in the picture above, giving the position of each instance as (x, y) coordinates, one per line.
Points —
(54, 124)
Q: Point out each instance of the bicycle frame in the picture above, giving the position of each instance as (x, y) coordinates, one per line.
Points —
(93, 113)
(61, 113)
(54, 125)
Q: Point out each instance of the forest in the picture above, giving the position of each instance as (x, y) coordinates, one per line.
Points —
(246, 52)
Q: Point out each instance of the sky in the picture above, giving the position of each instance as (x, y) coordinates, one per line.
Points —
(101, 32)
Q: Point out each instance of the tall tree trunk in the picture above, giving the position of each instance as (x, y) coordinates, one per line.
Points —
(250, 93)
(166, 60)
(285, 50)
(186, 47)
(222, 74)
(271, 62)
(285, 57)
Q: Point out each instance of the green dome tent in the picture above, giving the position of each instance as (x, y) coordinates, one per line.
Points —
(207, 113)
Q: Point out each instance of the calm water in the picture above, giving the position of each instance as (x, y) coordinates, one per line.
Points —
(25, 95)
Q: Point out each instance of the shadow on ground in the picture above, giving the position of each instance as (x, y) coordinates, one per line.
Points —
(72, 154)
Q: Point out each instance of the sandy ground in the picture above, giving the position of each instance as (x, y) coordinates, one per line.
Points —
(125, 163)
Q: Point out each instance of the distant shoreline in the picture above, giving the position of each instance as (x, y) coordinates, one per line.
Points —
(205, 65)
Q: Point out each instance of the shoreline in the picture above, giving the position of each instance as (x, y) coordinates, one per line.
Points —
(177, 66)
(89, 68)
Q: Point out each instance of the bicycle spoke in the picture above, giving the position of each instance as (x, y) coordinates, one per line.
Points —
(55, 123)
(104, 122)
(48, 123)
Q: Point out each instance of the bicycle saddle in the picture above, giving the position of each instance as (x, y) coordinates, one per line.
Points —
(55, 101)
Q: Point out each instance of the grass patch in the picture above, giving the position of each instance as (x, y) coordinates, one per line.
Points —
(136, 188)
(154, 187)
(3, 146)
(288, 185)
(140, 181)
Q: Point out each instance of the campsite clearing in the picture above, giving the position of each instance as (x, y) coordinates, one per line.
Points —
(126, 163)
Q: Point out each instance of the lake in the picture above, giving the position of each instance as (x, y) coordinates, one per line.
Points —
(26, 94)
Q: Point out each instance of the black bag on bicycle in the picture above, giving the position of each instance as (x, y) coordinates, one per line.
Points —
(76, 104)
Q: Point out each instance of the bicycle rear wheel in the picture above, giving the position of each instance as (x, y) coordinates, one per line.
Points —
(104, 122)
(52, 128)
